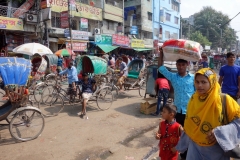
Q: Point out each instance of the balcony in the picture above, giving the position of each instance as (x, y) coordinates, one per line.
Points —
(6, 11)
(113, 13)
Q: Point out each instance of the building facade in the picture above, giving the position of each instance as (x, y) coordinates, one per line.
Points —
(166, 19)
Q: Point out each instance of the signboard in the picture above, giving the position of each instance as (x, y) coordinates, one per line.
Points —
(64, 19)
(137, 43)
(81, 35)
(72, 5)
(23, 8)
(134, 30)
(103, 39)
(77, 46)
(120, 40)
(84, 23)
(11, 23)
(207, 47)
(84, 10)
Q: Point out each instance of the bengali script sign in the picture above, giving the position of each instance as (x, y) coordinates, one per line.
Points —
(120, 40)
(84, 10)
(103, 39)
(11, 23)
(77, 46)
(137, 43)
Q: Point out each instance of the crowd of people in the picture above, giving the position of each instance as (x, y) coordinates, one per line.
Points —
(195, 124)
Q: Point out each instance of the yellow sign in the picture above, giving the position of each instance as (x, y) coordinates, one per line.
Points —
(11, 23)
(84, 11)
(137, 43)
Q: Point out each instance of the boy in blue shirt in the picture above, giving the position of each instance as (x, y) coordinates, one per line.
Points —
(229, 78)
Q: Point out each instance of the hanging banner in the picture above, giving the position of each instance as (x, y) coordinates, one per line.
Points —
(82, 10)
(137, 43)
(81, 35)
(84, 23)
(64, 19)
(77, 46)
(120, 40)
(23, 8)
(103, 39)
(11, 23)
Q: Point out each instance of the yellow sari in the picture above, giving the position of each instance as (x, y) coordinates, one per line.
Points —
(204, 112)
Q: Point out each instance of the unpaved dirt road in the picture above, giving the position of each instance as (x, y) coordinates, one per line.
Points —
(120, 133)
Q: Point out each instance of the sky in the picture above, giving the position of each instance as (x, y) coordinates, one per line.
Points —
(228, 7)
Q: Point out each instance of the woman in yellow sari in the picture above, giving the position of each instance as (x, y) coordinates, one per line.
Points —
(205, 135)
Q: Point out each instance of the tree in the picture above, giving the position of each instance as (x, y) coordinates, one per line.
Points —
(210, 23)
(198, 37)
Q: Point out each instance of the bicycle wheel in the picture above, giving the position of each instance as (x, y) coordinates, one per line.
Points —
(51, 105)
(27, 125)
(38, 92)
(51, 79)
(142, 89)
(104, 98)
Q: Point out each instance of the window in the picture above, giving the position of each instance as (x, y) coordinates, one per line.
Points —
(176, 20)
(168, 17)
(175, 36)
(110, 25)
(175, 6)
(150, 16)
(167, 34)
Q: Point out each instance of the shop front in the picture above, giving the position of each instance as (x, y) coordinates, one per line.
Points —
(104, 42)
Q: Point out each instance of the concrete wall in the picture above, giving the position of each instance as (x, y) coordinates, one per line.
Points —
(146, 6)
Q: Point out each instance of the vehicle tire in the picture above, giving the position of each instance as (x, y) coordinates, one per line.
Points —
(50, 80)
(51, 105)
(142, 88)
(38, 92)
(29, 121)
(104, 98)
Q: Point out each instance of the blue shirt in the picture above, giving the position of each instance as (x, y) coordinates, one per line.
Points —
(60, 62)
(87, 87)
(183, 88)
(205, 64)
(230, 76)
(71, 74)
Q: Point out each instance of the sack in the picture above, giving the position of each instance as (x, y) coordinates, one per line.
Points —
(175, 49)
(234, 153)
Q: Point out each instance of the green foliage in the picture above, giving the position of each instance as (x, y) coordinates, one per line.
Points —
(198, 37)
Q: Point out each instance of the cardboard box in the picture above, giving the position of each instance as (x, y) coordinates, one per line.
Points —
(148, 106)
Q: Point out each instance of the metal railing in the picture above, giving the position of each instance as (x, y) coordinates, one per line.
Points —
(6, 11)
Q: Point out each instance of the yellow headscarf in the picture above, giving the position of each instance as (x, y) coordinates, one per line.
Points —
(204, 112)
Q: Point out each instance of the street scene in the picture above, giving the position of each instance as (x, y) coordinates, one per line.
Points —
(119, 80)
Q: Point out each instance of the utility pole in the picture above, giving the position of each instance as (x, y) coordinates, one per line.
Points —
(123, 20)
(70, 24)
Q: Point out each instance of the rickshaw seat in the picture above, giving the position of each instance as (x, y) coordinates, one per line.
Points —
(5, 108)
(132, 74)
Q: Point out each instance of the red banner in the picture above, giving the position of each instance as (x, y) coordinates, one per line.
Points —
(23, 9)
(120, 40)
(77, 46)
(64, 19)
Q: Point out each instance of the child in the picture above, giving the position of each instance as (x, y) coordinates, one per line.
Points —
(168, 133)
(162, 89)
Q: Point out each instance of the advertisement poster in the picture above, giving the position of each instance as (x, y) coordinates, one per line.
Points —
(120, 40)
(84, 23)
(11, 23)
(77, 46)
(103, 39)
(137, 43)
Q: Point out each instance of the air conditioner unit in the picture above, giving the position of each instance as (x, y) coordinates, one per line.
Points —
(31, 18)
(97, 31)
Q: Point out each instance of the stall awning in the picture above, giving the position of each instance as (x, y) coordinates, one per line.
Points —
(142, 49)
(107, 48)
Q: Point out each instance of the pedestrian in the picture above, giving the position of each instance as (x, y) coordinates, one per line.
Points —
(206, 131)
(168, 133)
(162, 89)
(77, 59)
(111, 63)
(229, 78)
(123, 73)
(59, 63)
(183, 85)
(204, 62)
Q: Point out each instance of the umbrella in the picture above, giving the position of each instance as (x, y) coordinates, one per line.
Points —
(32, 48)
(65, 52)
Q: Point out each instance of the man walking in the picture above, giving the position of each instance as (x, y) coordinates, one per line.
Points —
(229, 78)
(183, 85)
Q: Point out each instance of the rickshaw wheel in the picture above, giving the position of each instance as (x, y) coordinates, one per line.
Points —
(38, 92)
(104, 98)
(27, 125)
(142, 88)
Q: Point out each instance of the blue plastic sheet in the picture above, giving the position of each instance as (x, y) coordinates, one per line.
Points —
(15, 71)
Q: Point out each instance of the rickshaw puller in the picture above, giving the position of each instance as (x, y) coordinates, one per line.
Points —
(123, 73)
(71, 72)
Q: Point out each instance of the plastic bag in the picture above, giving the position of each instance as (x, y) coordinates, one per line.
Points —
(175, 49)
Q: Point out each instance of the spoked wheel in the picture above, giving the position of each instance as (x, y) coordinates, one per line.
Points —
(51, 104)
(104, 98)
(38, 92)
(142, 89)
(51, 80)
(27, 125)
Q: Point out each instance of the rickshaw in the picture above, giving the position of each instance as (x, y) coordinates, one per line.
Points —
(136, 76)
(51, 70)
(25, 122)
(96, 68)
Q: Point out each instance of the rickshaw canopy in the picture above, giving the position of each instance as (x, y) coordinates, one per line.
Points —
(135, 67)
(92, 64)
(51, 59)
(15, 71)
